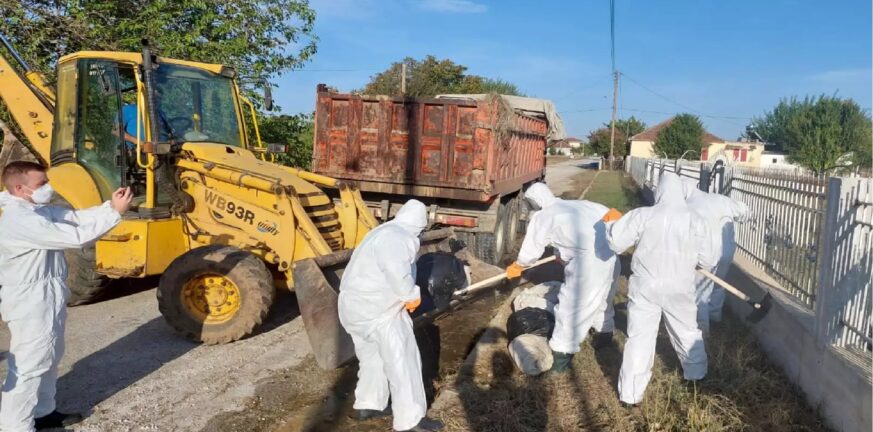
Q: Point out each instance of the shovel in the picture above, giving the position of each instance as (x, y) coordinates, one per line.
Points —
(485, 283)
(759, 308)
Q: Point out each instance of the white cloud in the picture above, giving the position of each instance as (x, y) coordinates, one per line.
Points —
(837, 76)
(453, 6)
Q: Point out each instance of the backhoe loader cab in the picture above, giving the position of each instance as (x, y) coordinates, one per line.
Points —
(103, 101)
(220, 223)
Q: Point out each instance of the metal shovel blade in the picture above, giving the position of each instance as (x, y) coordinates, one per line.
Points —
(317, 301)
(760, 308)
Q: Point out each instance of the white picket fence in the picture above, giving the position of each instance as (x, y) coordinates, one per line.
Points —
(845, 281)
(811, 234)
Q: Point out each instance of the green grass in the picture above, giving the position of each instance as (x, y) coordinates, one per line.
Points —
(614, 190)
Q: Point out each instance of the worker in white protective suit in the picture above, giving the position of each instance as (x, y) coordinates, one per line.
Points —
(720, 213)
(33, 236)
(671, 241)
(577, 230)
(377, 293)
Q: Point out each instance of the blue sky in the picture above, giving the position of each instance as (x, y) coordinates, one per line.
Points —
(725, 60)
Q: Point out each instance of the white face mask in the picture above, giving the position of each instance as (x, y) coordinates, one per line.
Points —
(42, 194)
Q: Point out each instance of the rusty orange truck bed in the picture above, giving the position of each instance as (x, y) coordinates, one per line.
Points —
(469, 160)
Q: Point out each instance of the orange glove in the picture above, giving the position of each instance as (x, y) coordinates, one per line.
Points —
(514, 271)
(611, 215)
(413, 305)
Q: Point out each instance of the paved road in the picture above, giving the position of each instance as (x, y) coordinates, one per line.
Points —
(131, 372)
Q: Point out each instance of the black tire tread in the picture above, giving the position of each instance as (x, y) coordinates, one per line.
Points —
(252, 278)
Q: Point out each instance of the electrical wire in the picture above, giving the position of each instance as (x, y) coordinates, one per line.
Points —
(673, 101)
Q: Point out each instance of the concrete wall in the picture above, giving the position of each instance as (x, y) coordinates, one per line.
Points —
(831, 381)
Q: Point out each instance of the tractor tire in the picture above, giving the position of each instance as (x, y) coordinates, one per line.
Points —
(216, 294)
(85, 284)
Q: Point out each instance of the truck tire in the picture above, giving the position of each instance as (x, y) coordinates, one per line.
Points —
(216, 294)
(490, 246)
(514, 221)
(85, 284)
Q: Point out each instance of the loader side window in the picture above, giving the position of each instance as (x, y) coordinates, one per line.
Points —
(99, 137)
(63, 136)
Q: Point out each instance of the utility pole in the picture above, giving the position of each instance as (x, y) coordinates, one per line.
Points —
(403, 77)
(615, 75)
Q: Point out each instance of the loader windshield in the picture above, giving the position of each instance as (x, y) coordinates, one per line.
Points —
(197, 105)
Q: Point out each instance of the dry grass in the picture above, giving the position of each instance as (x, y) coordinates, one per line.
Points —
(743, 391)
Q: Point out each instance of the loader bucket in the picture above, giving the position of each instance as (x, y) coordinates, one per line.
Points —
(317, 300)
(316, 283)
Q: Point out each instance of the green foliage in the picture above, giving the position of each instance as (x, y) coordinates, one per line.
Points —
(296, 131)
(629, 127)
(431, 76)
(578, 151)
(253, 36)
(819, 133)
(598, 140)
(683, 134)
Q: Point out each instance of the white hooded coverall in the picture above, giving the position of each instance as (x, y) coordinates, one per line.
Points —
(720, 213)
(670, 242)
(576, 230)
(33, 298)
(378, 281)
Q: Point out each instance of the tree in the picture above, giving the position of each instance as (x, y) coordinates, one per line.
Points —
(683, 134)
(252, 36)
(578, 151)
(628, 127)
(431, 76)
(297, 131)
(599, 139)
(821, 134)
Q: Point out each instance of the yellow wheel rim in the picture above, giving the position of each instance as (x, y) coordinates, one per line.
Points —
(212, 298)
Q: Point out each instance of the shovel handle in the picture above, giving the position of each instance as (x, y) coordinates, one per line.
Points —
(494, 279)
(721, 282)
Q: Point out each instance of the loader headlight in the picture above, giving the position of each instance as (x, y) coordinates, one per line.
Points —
(277, 148)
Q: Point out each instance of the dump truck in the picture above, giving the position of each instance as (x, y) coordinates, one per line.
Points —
(468, 157)
(221, 224)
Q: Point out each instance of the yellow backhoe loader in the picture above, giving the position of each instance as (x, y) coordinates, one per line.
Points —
(222, 224)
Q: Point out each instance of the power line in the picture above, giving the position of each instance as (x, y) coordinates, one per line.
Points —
(673, 101)
(583, 110)
(578, 90)
(333, 70)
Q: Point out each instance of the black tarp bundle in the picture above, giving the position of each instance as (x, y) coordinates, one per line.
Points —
(439, 274)
(529, 320)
